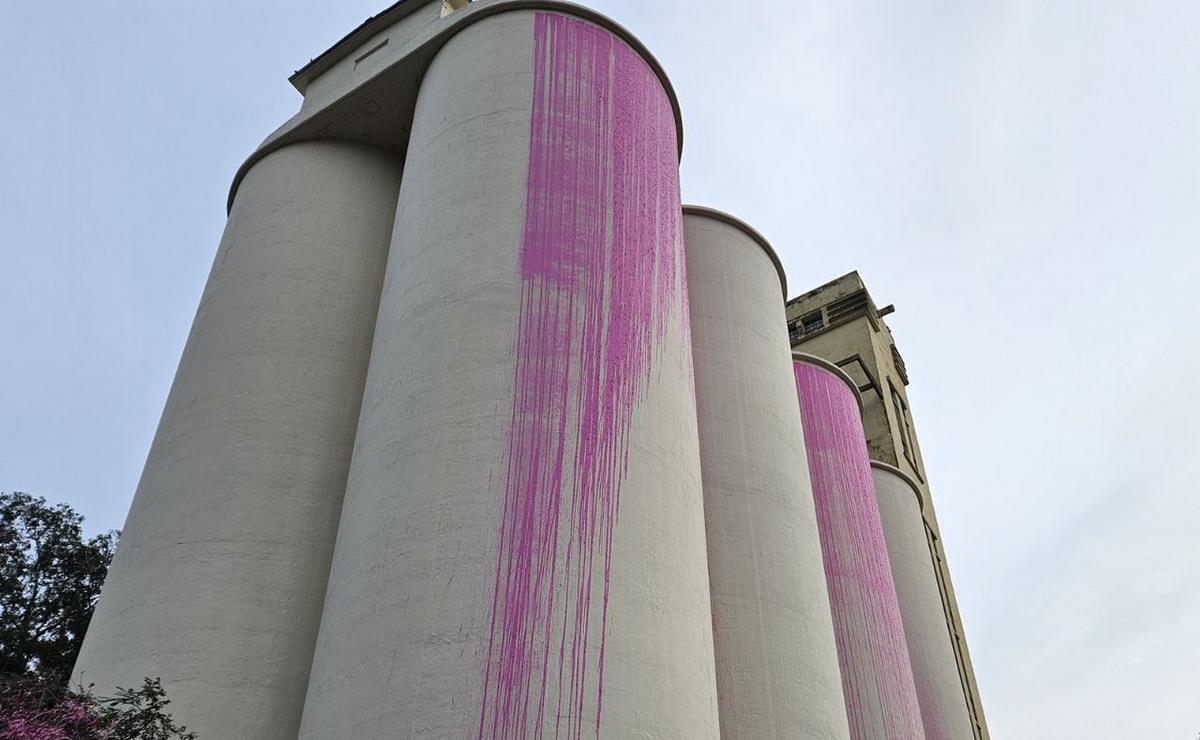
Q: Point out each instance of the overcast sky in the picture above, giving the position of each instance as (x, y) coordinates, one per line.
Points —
(1020, 177)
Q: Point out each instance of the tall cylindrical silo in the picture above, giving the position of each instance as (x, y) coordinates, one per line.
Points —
(935, 669)
(521, 552)
(219, 579)
(881, 698)
(776, 660)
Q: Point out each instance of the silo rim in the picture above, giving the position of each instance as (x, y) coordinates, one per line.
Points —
(833, 369)
(472, 13)
(902, 476)
(749, 230)
(385, 18)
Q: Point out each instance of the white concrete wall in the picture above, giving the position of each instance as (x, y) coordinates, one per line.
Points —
(881, 696)
(218, 582)
(777, 665)
(935, 670)
(385, 47)
(404, 643)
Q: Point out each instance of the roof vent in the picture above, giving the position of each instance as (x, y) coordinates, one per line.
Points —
(852, 305)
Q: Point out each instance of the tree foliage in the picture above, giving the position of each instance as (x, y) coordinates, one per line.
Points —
(50, 578)
(33, 709)
(39, 709)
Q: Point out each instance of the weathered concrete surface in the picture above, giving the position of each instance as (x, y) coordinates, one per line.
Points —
(881, 698)
(360, 90)
(525, 495)
(219, 579)
(855, 337)
(776, 659)
(935, 670)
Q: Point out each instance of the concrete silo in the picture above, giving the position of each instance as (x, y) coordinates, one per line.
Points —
(521, 551)
(935, 670)
(219, 579)
(776, 660)
(881, 698)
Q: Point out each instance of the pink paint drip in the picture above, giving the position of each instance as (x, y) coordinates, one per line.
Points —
(602, 279)
(877, 676)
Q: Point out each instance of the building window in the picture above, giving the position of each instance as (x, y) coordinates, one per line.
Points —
(811, 322)
(904, 426)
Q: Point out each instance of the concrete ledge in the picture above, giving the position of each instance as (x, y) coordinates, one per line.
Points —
(824, 364)
(904, 477)
(348, 43)
(308, 125)
(749, 230)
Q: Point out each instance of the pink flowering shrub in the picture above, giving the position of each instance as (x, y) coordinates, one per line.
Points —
(32, 710)
(39, 709)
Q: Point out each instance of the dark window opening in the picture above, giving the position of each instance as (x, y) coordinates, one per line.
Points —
(812, 322)
(904, 426)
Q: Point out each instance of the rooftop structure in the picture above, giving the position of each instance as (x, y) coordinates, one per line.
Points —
(513, 469)
(840, 321)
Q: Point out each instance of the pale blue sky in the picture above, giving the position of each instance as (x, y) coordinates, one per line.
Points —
(1021, 178)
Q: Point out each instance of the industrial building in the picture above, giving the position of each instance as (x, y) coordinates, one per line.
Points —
(480, 432)
(840, 322)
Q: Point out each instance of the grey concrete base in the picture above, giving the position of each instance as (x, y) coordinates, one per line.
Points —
(218, 582)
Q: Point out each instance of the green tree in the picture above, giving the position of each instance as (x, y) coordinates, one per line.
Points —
(34, 708)
(50, 578)
(141, 714)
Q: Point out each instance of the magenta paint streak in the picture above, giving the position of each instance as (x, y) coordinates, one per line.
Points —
(602, 280)
(877, 678)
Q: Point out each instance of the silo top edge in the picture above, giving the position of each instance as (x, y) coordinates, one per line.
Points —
(902, 476)
(473, 12)
(832, 369)
(749, 230)
(481, 9)
(608, 24)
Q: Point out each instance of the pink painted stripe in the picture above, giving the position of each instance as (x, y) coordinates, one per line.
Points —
(602, 279)
(877, 679)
